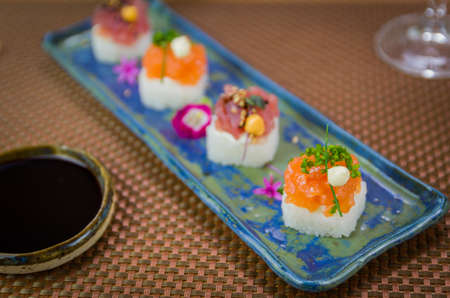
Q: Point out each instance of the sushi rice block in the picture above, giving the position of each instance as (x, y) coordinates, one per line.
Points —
(308, 203)
(174, 72)
(120, 30)
(245, 128)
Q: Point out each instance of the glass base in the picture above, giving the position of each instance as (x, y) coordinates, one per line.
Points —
(414, 48)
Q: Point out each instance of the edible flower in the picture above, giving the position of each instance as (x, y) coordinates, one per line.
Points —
(127, 71)
(191, 121)
(270, 189)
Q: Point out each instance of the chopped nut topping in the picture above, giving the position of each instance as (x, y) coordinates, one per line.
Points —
(113, 3)
(243, 118)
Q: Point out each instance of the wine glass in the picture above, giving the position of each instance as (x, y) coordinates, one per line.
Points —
(418, 44)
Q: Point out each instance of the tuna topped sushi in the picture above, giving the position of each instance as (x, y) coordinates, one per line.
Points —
(244, 130)
(174, 72)
(324, 194)
(121, 30)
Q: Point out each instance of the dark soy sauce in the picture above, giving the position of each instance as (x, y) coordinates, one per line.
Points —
(44, 201)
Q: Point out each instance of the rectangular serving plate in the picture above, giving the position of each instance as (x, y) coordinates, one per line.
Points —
(398, 205)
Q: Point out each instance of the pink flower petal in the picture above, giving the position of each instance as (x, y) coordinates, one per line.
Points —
(183, 129)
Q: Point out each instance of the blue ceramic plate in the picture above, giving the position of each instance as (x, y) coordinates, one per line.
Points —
(398, 205)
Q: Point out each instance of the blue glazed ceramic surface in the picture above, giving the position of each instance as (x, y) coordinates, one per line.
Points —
(398, 205)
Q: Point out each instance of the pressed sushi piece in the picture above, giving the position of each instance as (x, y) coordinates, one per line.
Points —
(174, 72)
(120, 30)
(245, 129)
(324, 194)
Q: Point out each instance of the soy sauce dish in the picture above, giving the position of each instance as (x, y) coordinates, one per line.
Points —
(55, 203)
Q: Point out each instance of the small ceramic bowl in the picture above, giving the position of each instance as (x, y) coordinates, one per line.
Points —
(60, 253)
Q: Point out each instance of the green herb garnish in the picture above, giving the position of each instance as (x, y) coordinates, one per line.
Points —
(336, 201)
(281, 190)
(163, 39)
(329, 154)
(256, 100)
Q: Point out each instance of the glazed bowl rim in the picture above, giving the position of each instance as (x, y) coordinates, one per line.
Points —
(71, 154)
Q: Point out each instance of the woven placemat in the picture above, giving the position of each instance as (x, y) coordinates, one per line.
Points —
(163, 239)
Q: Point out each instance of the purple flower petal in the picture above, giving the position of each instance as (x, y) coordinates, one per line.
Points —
(121, 78)
(278, 196)
(276, 185)
(270, 189)
(260, 191)
(134, 72)
(127, 71)
(117, 69)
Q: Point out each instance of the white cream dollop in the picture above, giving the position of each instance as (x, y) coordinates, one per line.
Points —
(181, 46)
(338, 175)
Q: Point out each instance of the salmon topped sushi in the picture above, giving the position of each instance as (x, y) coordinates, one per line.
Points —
(324, 194)
(174, 72)
(120, 30)
(245, 129)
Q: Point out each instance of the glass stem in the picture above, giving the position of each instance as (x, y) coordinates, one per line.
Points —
(434, 29)
(436, 9)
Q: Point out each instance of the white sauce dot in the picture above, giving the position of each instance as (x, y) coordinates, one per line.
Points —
(338, 175)
(181, 46)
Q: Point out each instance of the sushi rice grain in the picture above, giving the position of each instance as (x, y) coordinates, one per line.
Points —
(106, 50)
(316, 223)
(223, 148)
(169, 93)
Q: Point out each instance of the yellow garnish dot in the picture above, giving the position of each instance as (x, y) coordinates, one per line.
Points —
(129, 13)
(254, 125)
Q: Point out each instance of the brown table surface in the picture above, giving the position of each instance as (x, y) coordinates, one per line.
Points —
(163, 239)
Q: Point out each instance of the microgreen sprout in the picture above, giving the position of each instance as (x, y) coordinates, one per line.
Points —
(163, 39)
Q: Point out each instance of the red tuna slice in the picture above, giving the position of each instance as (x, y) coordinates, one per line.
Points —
(112, 24)
(228, 113)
